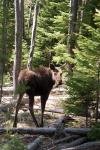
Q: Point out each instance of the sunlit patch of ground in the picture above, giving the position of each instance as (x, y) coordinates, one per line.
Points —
(54, 103)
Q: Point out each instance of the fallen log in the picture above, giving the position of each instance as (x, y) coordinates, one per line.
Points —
(74, 143)
(65, 139)
(86, 146)
(36, 144)
(46, 130)
(79, 131)
(31, 131)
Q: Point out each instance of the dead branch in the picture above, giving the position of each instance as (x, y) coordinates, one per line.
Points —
(36, 143)
(65, 139)
(86, 146)
(59, 125)
(58, 122)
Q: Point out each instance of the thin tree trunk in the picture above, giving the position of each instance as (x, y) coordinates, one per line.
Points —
(71, 31)
(32, 46)
(30, 16)
(98, 93)
(87, 112)
(18, 40)
(4, 45)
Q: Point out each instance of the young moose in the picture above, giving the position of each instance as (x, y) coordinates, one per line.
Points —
(38, 83)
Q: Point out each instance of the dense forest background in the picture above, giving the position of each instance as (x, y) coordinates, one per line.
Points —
(66, 33)
(36, 33)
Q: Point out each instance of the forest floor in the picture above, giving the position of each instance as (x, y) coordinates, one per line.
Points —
(53, 108)
(53, 111)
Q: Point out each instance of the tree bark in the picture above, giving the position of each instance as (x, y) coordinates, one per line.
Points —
(46, 131)
(86, 146)
(32, 46)
(65, 139)
(18, 40)
(79, 131)
(31, 131)
(4, 45)
(75, 142)
(36, 144)
(71, 31)
(98, 92)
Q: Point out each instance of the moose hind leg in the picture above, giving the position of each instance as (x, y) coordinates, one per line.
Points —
(43, 103)
(31, 109)
(17, 109)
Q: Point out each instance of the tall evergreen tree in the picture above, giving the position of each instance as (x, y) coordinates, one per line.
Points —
(71, 31)
(18, 40)
(4, 44)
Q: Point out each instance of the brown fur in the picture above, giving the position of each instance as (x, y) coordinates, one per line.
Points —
(39, 82)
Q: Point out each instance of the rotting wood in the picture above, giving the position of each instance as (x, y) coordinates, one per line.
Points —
(86, 146)
(37, 143)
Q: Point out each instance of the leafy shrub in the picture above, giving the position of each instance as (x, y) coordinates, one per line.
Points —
(14, 144)
(94, 134)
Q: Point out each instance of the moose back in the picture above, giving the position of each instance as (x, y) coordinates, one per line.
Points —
(38, 82)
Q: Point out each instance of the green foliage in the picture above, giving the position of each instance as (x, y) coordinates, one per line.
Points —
(94, 134)
(82, 86)
(14, 144)
(51, 32)
(21, 88)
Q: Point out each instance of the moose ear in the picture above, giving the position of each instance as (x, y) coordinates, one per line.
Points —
(52, 67)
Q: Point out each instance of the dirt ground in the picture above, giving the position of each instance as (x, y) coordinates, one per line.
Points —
(53, 110)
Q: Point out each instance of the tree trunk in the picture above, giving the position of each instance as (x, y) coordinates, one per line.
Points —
(71, 31)
(18, 40)
(30, 16)
(98, 93)
(4, 45)
(32, 46)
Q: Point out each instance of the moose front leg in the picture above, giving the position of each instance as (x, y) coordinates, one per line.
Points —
(43, 103)
(17, 109)
(31, 109)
